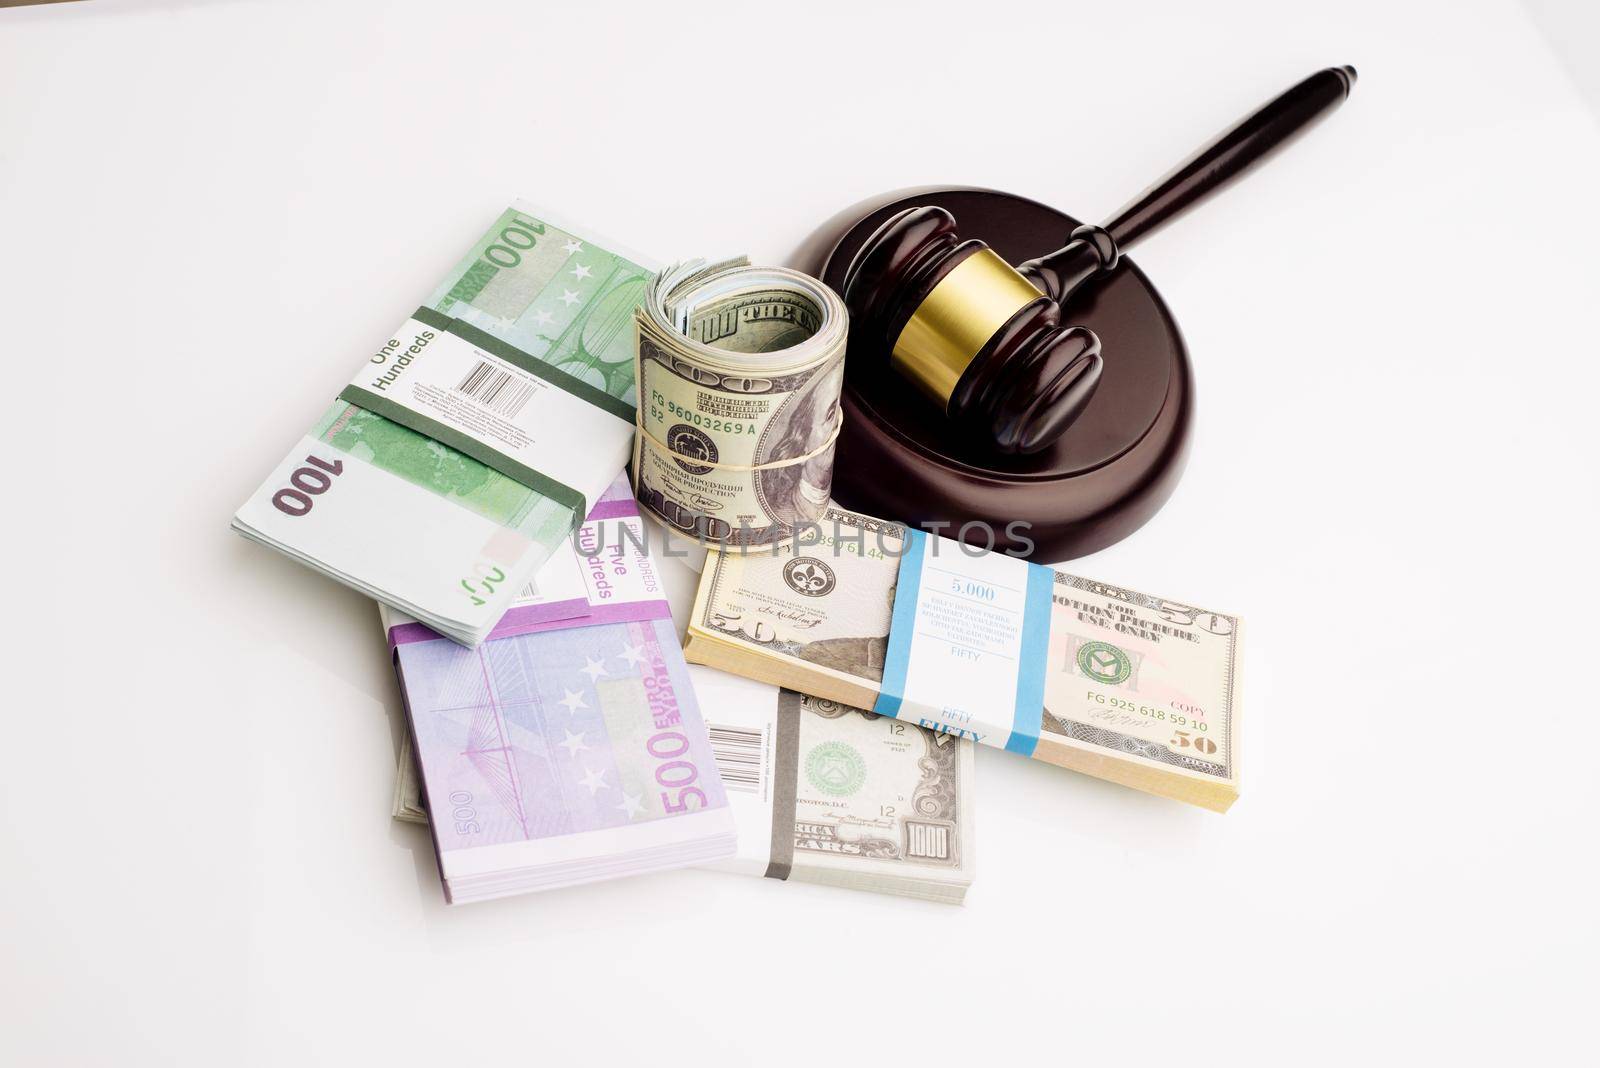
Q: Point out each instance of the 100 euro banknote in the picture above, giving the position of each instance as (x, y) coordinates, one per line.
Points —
(482, 428)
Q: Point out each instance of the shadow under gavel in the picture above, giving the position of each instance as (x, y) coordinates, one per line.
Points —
(991, 343)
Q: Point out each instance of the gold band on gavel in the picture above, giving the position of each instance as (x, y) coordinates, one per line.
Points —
(957, 319)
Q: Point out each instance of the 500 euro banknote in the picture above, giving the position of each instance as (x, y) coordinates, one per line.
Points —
(571, 749)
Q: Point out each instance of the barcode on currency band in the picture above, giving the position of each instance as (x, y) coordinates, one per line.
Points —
(500, 391)
(737, 751)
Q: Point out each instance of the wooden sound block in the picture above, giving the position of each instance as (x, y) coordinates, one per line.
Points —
(899, 458)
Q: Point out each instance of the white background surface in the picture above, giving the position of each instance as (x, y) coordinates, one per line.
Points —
(209, 211)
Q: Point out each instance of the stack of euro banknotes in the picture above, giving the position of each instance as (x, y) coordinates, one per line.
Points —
(580, 747)
(469, 477)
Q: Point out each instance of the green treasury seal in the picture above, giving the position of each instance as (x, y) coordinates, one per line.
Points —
(836, 768)
(1104, 662)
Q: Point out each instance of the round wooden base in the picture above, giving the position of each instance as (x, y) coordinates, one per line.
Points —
(898, 457)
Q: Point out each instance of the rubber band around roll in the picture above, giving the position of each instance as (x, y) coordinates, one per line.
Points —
(700, 461)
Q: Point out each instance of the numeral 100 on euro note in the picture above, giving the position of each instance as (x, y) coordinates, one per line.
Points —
(305, 483)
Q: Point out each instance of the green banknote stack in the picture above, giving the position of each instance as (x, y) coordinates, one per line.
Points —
(474, 437)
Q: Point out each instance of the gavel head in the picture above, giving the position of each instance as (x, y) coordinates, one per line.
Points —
(982, 339)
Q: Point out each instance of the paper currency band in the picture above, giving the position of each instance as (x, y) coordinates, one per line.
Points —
(785, 785)
(956, 320)
(1027, 710)
(449, 437)
(700, 461)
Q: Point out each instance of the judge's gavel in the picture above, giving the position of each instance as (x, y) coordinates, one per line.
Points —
(989, 342)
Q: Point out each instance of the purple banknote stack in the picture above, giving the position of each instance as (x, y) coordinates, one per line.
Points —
(568, 747)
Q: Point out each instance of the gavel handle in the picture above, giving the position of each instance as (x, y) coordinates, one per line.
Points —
(1232, 154)
(1092, 250)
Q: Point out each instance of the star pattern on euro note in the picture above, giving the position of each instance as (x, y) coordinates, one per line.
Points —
(580, 271)
(593, 668)
(573, 743)
(543, 318)
(632, 804)
(573, 701)
(569, 298)
(572, 248)
(633, 654)
(594, 780)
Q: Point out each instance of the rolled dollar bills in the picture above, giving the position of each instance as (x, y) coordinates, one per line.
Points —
(571, 750)
(739, 371)
(474, 437)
